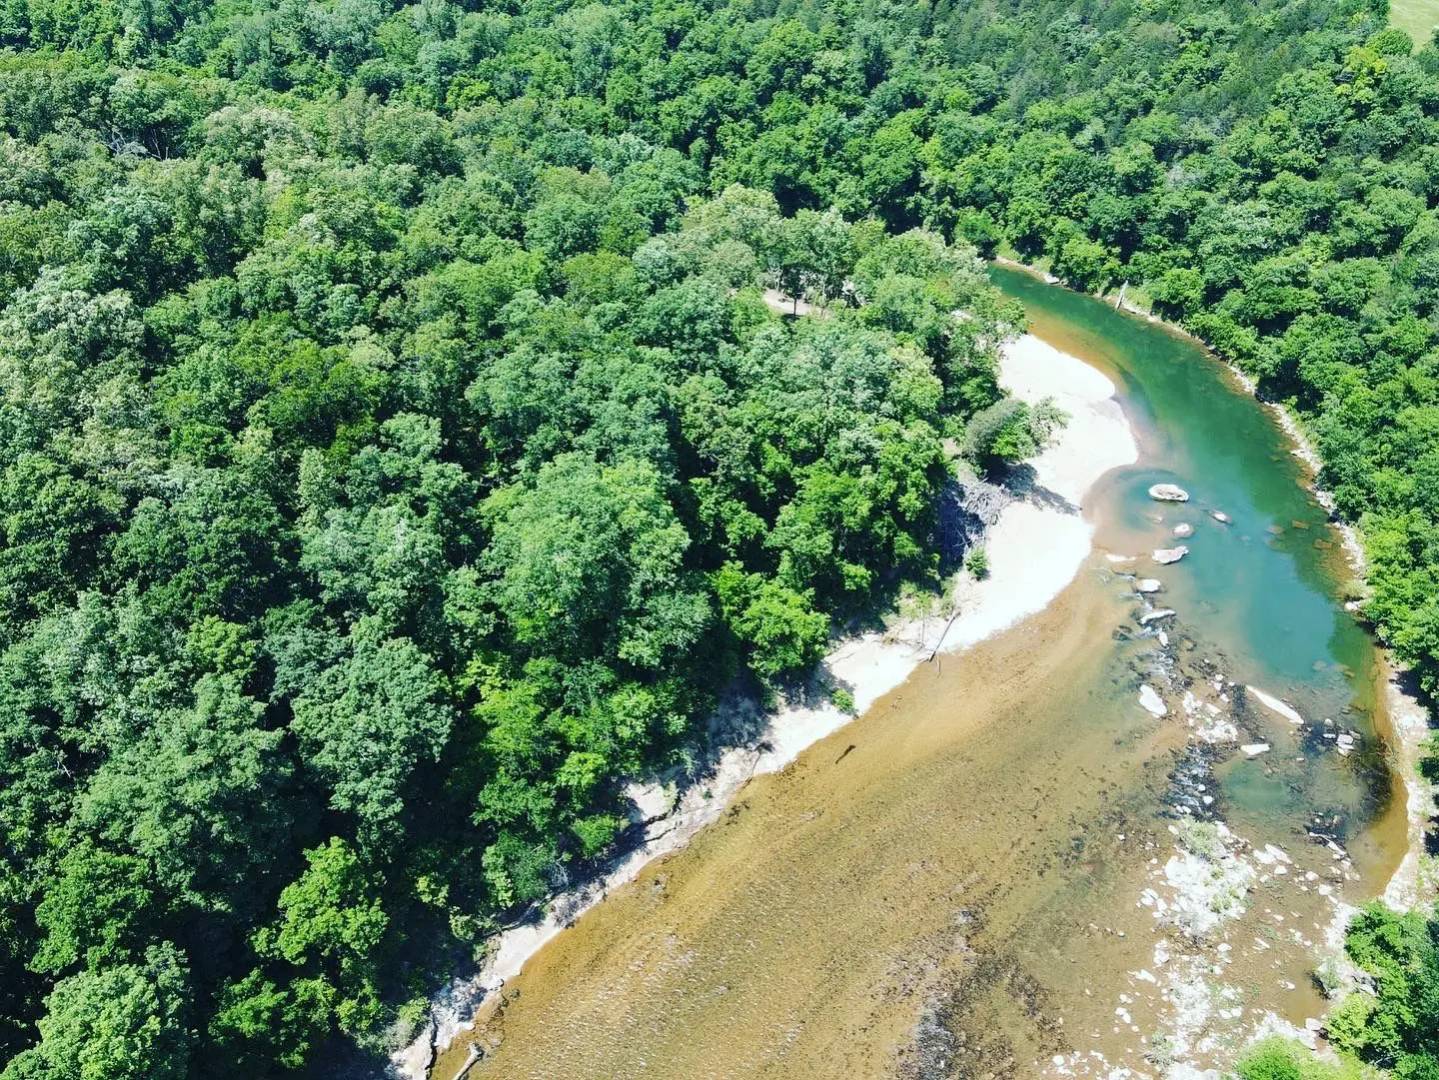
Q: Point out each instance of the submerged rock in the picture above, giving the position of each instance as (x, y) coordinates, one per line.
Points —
(1283, 708)
(1207, 885)
(1220, 516)
(1184, 529)
(1170, 555)
(1168, 493)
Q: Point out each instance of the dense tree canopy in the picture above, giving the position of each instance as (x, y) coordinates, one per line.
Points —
(386, 481)
(1396, 1026)
(397, 451)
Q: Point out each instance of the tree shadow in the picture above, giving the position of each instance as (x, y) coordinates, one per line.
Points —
(1022, 481)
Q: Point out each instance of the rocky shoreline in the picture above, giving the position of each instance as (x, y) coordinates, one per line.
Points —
(1036, 540)
(1216, 898)
(1409, 719)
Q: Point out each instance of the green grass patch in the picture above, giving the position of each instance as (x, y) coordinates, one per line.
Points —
(1417, 18)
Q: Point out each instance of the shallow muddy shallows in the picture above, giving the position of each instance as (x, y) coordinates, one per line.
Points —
(1010, 866)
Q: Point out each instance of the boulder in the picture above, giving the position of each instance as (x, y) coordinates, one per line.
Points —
(1148, 585)
(1151, 701)
(1168, 493)
(650, 802)
(1220, 516)
(1155, 616)
(1282, 708)
(1164, 556)
(1184, 529)
(1254, 749)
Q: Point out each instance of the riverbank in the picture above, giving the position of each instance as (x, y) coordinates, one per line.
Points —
(1035, 548)
(1303, 448)
(1410, 721)
(1405, 719)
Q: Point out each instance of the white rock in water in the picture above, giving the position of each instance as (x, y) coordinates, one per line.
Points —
(1155, 616)
(1254, 749)
(1285, 710)
(1168, 493)
(1148, 585)
(1184, 529)
(1270, 855)
(1152, 702)
(1220, 516)
(1170, 555)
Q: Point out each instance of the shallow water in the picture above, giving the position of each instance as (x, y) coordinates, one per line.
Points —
(955, 884)
(1264, 589)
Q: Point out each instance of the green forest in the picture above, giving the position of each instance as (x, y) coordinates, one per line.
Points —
(399, 454)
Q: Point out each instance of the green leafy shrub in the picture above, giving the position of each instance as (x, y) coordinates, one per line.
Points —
(1398, 1026)
(1284, 1059)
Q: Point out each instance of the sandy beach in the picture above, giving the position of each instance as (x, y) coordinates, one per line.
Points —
(1035, 548)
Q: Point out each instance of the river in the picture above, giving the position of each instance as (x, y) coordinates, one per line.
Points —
(1007, 867)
